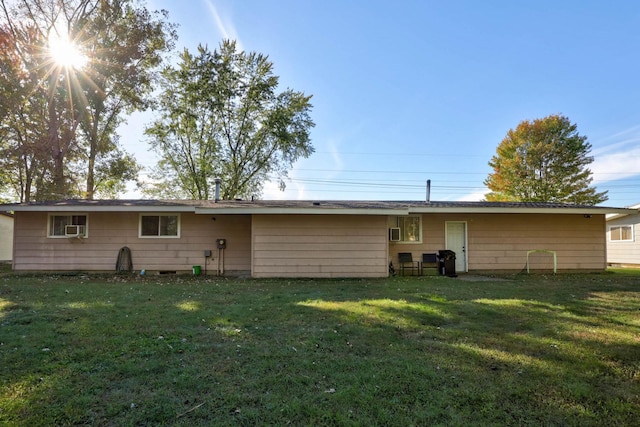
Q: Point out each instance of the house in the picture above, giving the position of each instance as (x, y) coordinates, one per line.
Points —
(6, 236)
(623, 242)
(305, 238)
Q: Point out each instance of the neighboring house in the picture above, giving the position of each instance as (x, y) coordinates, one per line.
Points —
(6, 237)
(305, 238)
(623, 240)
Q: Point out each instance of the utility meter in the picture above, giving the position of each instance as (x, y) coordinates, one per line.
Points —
(222, 243)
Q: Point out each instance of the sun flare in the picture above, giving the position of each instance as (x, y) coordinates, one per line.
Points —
(65, 53)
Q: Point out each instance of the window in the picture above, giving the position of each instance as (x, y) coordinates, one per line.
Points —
(164, 225)
(74, 225)
(621, 233)
(410, 229)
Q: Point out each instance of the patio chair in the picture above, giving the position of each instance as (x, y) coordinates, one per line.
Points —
(406, 262)
(429, 261)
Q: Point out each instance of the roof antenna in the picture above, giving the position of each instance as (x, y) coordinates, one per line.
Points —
(428, 191)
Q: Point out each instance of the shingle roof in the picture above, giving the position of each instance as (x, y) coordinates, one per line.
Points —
(307, 206)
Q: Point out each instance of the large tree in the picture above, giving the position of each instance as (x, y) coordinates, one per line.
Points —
(221, 116)
(66, 112)
(545, 160)
(26, 157)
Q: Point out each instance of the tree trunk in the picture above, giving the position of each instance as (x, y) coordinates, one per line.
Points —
(54, 143)
(91, 164)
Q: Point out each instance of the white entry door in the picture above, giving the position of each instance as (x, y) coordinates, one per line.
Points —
(456, 241)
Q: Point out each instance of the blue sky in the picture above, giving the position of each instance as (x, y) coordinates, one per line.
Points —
(413, 90)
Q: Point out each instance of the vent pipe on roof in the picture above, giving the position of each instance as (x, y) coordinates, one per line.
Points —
(428, 191)
(218, 181)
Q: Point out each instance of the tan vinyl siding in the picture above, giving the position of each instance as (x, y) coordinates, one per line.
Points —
(281, 245)
(319, 246)
(432, 239)
(501, 241)
(621, 252)
(108, 232)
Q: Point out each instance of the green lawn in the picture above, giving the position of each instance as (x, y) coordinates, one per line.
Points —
(156, 350)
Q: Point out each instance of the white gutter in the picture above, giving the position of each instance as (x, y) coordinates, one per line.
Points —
(523, 210)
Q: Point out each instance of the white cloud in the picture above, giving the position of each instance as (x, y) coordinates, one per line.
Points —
(224, 25)
(618, 159)
(476, 196)
(338, 164)
(293, 191)
(622, 138)
(611, 167)
(271, 191)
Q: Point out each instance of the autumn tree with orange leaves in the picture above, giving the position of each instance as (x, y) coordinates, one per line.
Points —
(70, 72)
(544, 160)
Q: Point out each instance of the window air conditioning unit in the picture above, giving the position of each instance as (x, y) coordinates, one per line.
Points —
(394, 234)
(74, 230)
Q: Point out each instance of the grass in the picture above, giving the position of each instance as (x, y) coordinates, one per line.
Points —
(5, 267)
(129, 350)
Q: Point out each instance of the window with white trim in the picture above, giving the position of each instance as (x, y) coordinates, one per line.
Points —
(410, 228)
(68, 225)
(159, 225)
(621, 233)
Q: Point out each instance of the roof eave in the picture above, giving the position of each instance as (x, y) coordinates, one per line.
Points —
(249, 209)
(96, 208)
(524, 210)
(299, 211)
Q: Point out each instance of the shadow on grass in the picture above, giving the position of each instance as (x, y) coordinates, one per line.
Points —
(519, 360)
(532, 351)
